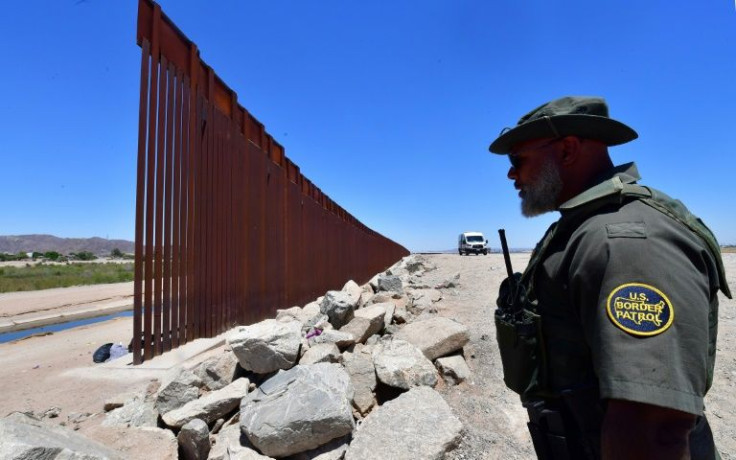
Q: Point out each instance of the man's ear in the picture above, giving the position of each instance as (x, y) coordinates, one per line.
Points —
(571, 148)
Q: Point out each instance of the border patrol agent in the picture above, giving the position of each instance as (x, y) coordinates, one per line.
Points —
(609, 336)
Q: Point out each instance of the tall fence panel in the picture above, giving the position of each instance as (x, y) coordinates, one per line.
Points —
(227, 228)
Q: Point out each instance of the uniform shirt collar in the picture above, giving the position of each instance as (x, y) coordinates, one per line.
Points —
(609, 183)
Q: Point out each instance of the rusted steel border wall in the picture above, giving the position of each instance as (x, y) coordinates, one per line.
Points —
(227, 228)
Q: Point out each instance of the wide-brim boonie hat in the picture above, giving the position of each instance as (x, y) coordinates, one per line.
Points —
(582, 116)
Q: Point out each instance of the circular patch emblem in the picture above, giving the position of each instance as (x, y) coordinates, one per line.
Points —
(640, 309)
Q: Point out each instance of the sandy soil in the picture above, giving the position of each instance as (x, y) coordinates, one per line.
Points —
(62, 300)
(56, 370)
(54, 378)
(38, 372)
(494, 422)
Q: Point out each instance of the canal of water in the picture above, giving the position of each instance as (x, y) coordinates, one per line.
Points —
(17, 335)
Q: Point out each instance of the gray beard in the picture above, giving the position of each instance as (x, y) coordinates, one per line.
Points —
(541, 196)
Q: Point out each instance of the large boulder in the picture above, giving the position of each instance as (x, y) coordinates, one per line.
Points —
(389, 283)
(453, 368)
(380, 297)
(339, 307)
(367, 322)
(435, 336)
(359, 365)
(339, 338)
(194, 440)
(422, 299)
(416, 263)
(22, 437)
(232, 444)
(417, 282)
(400, 364)
(209, 407)
(285, 314)
(298, 409)
(136, 412)
(321, 353)
(373, 282)
(136, 442)
(333, 450)
(418, 425)
(390, 308)
(267, 346)
(365, 295)
(354, 291)
(375, 314)
(359, 328)
(219, 371)
(402, 315)
(178, 388)
(309, 315)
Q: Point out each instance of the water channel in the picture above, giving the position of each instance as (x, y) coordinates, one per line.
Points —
(17, 335)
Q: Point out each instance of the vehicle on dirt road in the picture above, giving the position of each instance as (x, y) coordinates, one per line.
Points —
(472, 242)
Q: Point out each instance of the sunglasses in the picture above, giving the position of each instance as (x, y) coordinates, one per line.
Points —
(516, 160)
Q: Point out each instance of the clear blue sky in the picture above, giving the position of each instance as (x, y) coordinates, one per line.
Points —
(387, 106)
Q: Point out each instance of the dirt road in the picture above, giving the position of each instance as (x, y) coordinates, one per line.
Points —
(495, 425)
(29, 309)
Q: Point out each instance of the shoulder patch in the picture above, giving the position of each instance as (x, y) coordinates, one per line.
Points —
(640, 309)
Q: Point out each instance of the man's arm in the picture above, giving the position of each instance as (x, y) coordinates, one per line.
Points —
(634, 430)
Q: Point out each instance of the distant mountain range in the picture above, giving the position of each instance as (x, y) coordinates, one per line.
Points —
(13, 244)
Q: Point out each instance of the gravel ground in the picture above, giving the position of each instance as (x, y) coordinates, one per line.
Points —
(494, 422)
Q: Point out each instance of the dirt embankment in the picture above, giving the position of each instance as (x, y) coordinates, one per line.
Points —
(64, 300)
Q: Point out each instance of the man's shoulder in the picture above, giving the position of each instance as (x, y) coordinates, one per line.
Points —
(629, 219)
(629, 211)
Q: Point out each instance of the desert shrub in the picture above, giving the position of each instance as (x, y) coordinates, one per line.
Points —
(83, 255)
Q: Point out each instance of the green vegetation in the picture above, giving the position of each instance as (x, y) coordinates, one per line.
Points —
(83, 255)
(10, 257)
(49, 255)
(46, 276)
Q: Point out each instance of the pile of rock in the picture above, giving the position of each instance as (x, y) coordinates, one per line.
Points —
(350, 375)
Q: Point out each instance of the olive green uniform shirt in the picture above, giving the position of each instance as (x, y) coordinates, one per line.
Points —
(628, 298)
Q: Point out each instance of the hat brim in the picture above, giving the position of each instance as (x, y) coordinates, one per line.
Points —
(604, 129)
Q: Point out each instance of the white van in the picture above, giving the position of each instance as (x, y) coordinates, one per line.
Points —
(473, 242)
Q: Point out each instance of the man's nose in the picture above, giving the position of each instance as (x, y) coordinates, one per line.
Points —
(512, 173)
